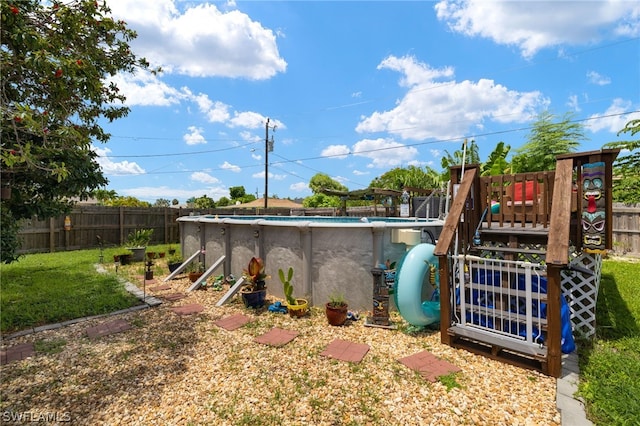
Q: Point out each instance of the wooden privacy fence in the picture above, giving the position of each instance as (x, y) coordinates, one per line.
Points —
(88, 226)
(82, 227)
(626, 229)
(113, 225)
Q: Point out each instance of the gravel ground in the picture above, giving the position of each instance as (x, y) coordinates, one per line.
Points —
(184, 370)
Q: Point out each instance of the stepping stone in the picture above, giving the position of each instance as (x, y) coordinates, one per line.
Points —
(107, 328)
(428, 365)
(193, 308)
(17, 353)
(345, 350)
(276, 337)
(160, 287)
(233, 322)
(174, 296)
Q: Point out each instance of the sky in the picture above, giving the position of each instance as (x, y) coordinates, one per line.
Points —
(353, 89)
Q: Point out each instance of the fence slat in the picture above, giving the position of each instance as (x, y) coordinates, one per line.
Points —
(113, 225)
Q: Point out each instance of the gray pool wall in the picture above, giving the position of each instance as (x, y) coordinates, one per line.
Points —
(328, 257)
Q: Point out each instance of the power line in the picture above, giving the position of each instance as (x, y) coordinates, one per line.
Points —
(453, 139)
(174, 154)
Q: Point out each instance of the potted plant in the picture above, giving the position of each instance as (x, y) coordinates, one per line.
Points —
(137, 242)
(123, 258)
(297, 307)
(174, 261)
(148, 274)
(336, 309)
(254, 292)
(195, 270)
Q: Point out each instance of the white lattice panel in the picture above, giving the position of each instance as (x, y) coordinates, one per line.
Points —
(581, 291)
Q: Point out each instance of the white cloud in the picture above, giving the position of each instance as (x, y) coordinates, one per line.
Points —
(247, 119)
(596, 78)
(216, 112)
(613, 119)
(231, 167)
(272, 176)
(360, 173)
(110, 167)
(385, 153)
(250, 137)
(573, 103)
(535, 25)
(300, 187)
(200, 40)
(532, 26)
(203, 177)
(336, 151)
(447, 109)
(195, 136)
(145, 89)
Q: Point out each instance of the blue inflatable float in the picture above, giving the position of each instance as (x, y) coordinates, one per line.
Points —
(410, 276)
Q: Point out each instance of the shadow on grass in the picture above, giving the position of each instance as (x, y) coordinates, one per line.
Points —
(614, 319)
(610, 363)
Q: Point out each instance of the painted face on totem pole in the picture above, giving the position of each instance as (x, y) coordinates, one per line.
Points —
(593, 207)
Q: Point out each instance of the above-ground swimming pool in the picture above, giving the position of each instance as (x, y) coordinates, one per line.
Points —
(328, 254)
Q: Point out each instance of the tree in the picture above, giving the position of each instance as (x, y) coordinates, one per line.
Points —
(322, 181)
(412, 176)
(547, 140)
(626, 169)
(55, 60)
(472, 156)
(127, 201)
(321, 200)
(237, 192)
(161, 202)
(497, 163)
(223, 202)
(175, 202)
(204, 202)
(104, 195)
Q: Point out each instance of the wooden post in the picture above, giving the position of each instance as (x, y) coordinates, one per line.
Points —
(554, 330)
(121, 221)
(445, 300)
(52, 235)
(166, 225)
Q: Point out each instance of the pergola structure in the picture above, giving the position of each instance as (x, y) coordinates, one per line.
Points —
(388, 198)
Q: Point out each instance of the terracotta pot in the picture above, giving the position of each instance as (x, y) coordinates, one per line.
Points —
(336, 315)
(193, 276)
(298, 310)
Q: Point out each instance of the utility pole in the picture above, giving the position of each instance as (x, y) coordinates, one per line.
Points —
(268, 146)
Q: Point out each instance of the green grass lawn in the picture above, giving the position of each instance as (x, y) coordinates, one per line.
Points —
(53, 287)
(610, 364)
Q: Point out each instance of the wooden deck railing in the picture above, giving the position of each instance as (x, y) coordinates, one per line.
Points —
(518, 198)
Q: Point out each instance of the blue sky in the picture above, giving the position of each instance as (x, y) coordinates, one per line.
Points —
(356, 88)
